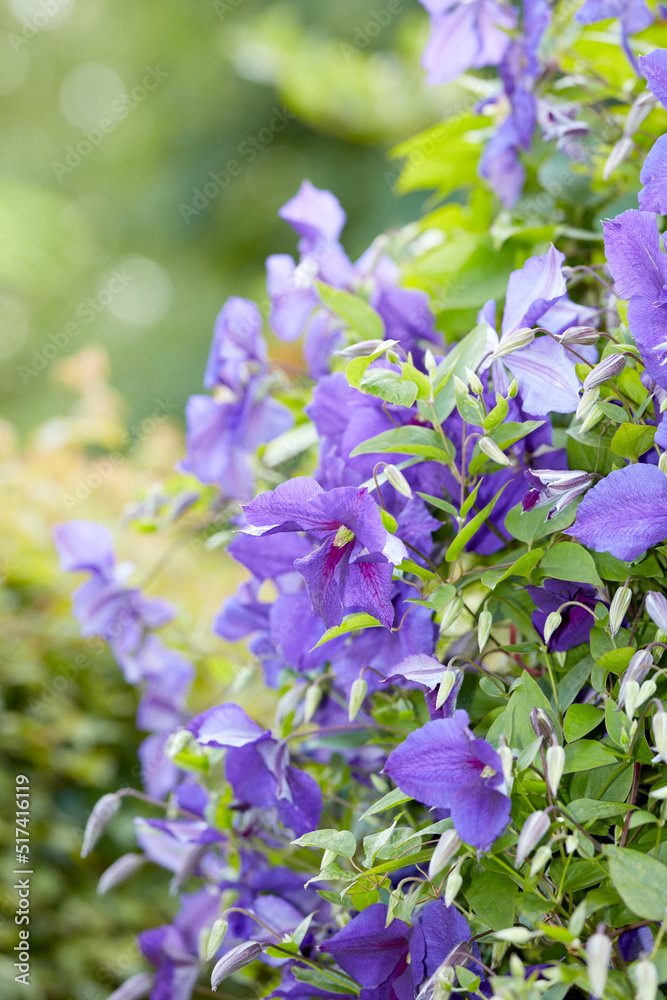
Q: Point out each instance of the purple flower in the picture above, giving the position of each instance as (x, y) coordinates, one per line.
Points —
(577, 623)
(625, 513)
(258, 769)
(639, 269)
(237, 347)
(173, 948)
(222, 436)
(426, 672)
(634, 16)
(653, 196)
(445, 766)
(349, 569)
(554, 486)
(465, 36)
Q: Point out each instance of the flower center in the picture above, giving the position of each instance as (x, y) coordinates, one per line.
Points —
(343, 536)
(488, 772)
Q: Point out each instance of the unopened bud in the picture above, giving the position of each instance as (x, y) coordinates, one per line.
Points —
(593, 417)
(660, 636)
(659, 729)
(445, 850)
(460, 387)
(619, 605)
(311, 702)
(429, 361)
(453, 884)
(619, 153)
(178, 741)
(586, 403)
(358, 692)
(507, 760)
(656, 607)
(646, 691)
(542, 724)
(551, 624)
(451, 612)
(103, 812)
(598, 957)
(218, 931)
(515, 935)
(646, 979)
(638, 667)
(489, 448)
(513, 388)
(449, 678)
(398, 480)
(540, 858)
(608, 368)
(361, 349)
(658, 793)
(517, 968)
(571, 842)
(662, 462)
(474, 382)
(234, 960)
(555, 760)
(584, 336)
(514, 342)
(531, 834)
(121, 869)
(484, 624)
(631, 698)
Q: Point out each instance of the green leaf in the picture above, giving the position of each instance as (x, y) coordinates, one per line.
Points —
(412, 374)
(467, 980)
(440, 597)
(616, 660)
(573, 681)
(632, 440)
(441, 504)
(409, 440)
(387, 384)
(640, 881)
(468, 353)
(389, 521)
(580, 874)
(585, 755)
(332, 982)
(355, 369)
(533, 525)
(587, 810)
(351, 623)
(357, 313)
(523, 566)
(570, 561)
(332, 873)
(614, 569)
(469, 529)
(340, 841)
(491, 896)
(393, 798)
(514, 723)
(470, 500)
(580, 719)
(614, 412)
(496, 415)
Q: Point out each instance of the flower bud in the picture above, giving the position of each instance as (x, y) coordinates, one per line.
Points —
(658, 793)
(513, 388)
(474, 382)
(218, 931)
(234, 960)
(513, 342)
(358, 692)
(498, 952)
(662, 462)
(103, 812)
(659, 729)
(660, 636)
(453, 884)
(619, 153)
(555, 761)
(451, 612)
(540, 858)
(484, 628)
(429, 361)
(638, 667)
(361, 349)
(515, 935)
(646, 979)
(445, 850)
(311, 702)
(586, 403)
(646, 691)
(631, 698)
(178, 741)
(619, 605)
(542, 724)
(460, 387)
(517, 968)
(593, 417)
(611, 366)
(449, 678)
(656, 607)
(531, 834)
(553, 622)
(134, 988)
(121, 869)
(571, 842)
(584, 336)
(598, 957)
(398, 480)
(489, 448)
(507, 760)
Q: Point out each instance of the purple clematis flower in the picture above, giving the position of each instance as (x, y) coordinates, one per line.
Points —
(445, 766)
(350, 568)
(554, 486)
(426, 672)
(545, 369)
(639, 269)
(237, 347)
(221, 437)
(577, 622)
(625, 513)
(258, 769)
(634, 16)
(653, 196)
(465, 36)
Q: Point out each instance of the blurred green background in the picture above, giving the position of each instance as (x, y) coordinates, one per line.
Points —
(105, 240)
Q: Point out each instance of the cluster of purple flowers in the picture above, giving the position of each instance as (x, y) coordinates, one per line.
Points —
(432, 459)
